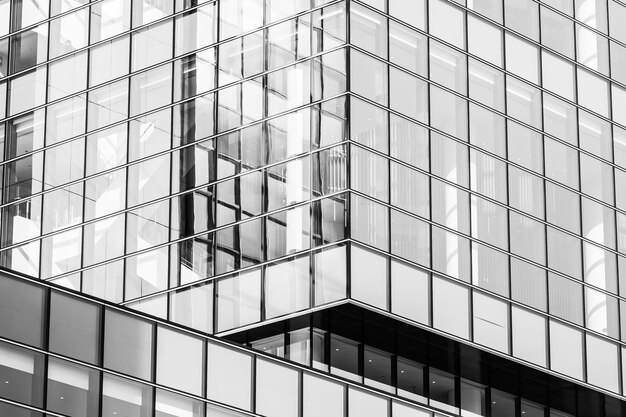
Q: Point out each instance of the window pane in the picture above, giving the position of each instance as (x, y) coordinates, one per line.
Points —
(592, 49)
(234, 20)
(368, 69)
(451, 254)
(29, 48)
(491, 322)
(564, 253)
(67, 76)
(489, 222)
(151, 89)
(410, 238)
(403, 410)
(559, 119)
(443, 393)
(450, 307)
(287, 287)
(179, 360)
(528, 284)
(449, 159)
(128, 344)
(523, 102)
(557, 75)
(526, 192)
(107, 104)
(566, 351)
(145, 11)
(169, 404)
(239, 300)
(109, 60)
(490, 269)
(21, 308)
(485, 40)
(448, 113)
(27, 91)
(602, 363)
(69, 33)
(502, 405)
(277, 389)
(368, 277)
(601, 312)
(566, 298)
(409, 142)
(193, 307)
(593, 92)
(557, 32)
(368, 125)
(362, 404)
(529, 336)
(22, 373)
(530, 241)
(413, 104)
(561, 163)
(447, 22)
(195, 30)
(523, 17)
(410, 292)
(322, 397)
(410, 11)
(368, 30)
(522, 58)
(72, 390)
(229, 376)
(407, 47)
(74, 327)
(109, 18)
(124, 397)
(365, 214)
(370, 173)
(330, 274)
(486, 84)
(152, 45)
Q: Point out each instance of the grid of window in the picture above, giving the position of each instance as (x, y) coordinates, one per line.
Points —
(165, 145)
(192, 160)
(488, 148)
(71, 356)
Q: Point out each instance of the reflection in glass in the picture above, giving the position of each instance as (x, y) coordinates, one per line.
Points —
(239, 300)
(69, 32)
(109, 18)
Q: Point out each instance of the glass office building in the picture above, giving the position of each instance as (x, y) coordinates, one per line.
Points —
(395, 208)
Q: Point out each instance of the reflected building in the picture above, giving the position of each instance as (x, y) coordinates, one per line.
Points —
(379, 208)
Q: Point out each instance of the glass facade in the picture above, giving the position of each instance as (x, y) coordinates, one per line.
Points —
(459, 165)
